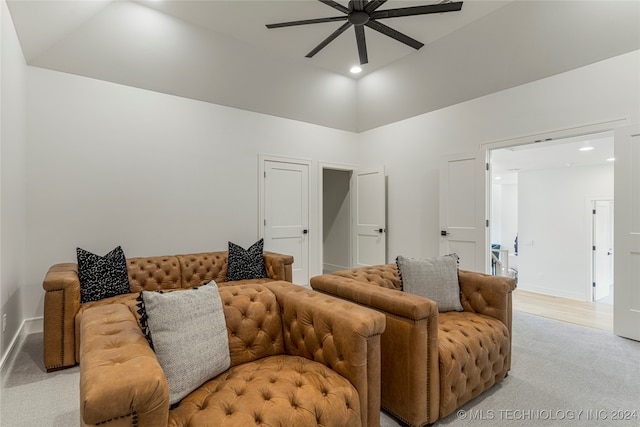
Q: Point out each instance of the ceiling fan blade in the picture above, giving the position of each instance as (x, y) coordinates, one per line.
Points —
(362, 44)
(417, 10)
(307, 21)
(335, 5)
(373, 5)
(329, 39)
(388, 31)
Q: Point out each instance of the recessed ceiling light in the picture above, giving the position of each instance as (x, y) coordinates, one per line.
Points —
(611, 159)
(355, 69)
(498, 177)
(586, 148)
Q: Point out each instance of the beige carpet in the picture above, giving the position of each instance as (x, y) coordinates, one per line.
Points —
(562, 374)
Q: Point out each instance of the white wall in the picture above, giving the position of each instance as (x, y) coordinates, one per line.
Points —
(554, 213)
(411, 149)
(12, 180)
(158, 174)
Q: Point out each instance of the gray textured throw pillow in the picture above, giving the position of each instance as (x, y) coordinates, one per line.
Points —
(189, 335)
(433, 278)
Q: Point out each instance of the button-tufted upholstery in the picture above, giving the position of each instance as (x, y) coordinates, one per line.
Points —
(298, 358)
(432, 363)
(62, 309)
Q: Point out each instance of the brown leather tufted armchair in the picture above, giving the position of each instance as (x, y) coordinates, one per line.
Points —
(432, 363)
(62, 309)
(298, 358)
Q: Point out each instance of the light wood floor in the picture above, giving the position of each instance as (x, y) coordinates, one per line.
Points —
(592, 314)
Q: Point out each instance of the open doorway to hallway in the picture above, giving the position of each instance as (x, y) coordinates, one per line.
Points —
(336, 219)
(543, 196)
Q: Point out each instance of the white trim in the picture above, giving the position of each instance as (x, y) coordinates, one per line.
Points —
(330, 268)
(609, 125)
(551, 291)
(590, 205)
(600, 127)
(28, 327)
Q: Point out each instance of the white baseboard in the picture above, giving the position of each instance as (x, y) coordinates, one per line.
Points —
(28, 327)
(552, 292)
(330, 268)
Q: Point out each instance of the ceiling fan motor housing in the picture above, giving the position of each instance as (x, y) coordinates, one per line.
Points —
(358, 17)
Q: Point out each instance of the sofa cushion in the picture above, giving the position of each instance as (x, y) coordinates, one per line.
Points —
(102, 276)
(473, 351)
(272, 391)
(433, 278)
(244, 264)
(187, 331)
(155, 273)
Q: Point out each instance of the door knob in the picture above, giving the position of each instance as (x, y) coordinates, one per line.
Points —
(379, 230)
(305, 231)
(444, 233)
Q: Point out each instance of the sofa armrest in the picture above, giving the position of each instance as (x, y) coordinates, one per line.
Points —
(279, 266)
(409, 345)
(488, 295)
(337, 333)
(61, 303)
(388, 300)
(121, 381)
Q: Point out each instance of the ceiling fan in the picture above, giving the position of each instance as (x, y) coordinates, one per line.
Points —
(361, 13)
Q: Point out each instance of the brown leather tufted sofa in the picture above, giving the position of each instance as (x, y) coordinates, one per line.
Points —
(432, 363)
(62, 308)
(298, 358)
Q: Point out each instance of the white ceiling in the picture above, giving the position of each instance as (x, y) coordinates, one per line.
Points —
(246, 20)
(220, 51)
(506, 163)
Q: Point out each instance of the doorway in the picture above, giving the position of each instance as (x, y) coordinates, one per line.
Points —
(538, 215)
(352, 217)
(336, 214)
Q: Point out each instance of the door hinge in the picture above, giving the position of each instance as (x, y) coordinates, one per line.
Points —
(593, 284)
(593, 247)
(487, 166)
(594, 211)
(487, 222)
(265, 174)
(265, 222)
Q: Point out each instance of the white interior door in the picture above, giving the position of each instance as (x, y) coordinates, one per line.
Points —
(369, 215)
(602, 249)
(626, 310)
(463, 215)
(286, 213)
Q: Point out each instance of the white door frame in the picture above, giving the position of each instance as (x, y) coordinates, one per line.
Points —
(607, 126)
(322, 166)
(590, 253)
(313, 216)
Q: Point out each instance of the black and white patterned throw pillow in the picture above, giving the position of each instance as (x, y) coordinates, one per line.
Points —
(102, 277)
(246, 264)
